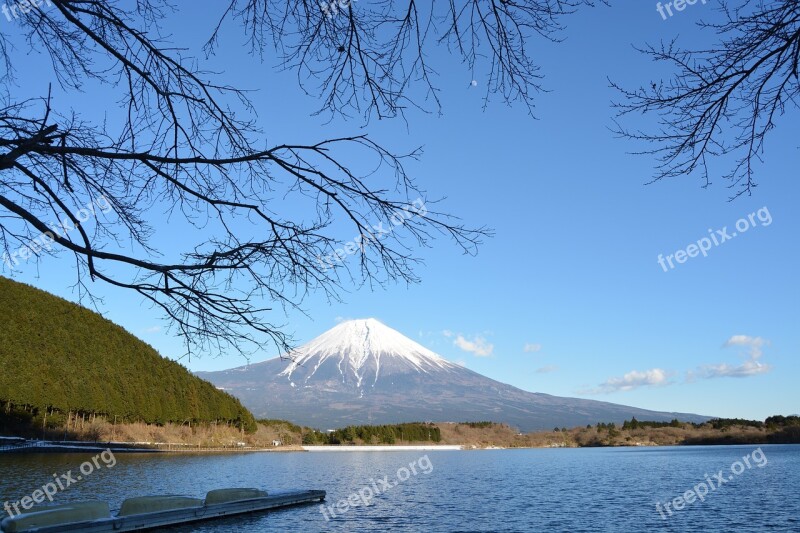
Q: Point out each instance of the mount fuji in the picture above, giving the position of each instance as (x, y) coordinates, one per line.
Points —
(364, 372)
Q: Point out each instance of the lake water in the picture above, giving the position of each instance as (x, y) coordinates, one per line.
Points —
(575, 490)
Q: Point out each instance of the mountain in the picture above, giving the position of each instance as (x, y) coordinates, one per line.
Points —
(59, 357)
(363, 372)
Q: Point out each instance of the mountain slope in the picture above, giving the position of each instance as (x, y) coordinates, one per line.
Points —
(363, 372)
(57, 355)
(359, 353)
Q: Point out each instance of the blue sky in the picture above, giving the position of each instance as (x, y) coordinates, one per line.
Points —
(568, 298)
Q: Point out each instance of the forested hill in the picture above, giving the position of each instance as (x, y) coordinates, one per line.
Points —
(58, 359)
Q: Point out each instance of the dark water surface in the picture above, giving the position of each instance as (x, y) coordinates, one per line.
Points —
(572, 490)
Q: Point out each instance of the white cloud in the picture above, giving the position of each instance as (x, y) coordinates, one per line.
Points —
(532, 348)
(751, 367)
(153, 329)
(477, 346)
(634, 379)
(746, 369)
(546, 369)
(447, 333)
(753, 343)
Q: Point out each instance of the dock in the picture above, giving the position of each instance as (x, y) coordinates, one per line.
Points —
(151, 512)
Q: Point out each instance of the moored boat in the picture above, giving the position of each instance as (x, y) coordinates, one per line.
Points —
(148, 512)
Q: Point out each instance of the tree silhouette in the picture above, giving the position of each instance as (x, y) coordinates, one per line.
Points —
(722, 101)
(365, 57)
(184, 143)
(187, 144)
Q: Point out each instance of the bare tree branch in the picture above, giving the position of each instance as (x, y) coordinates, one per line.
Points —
(367, 57)
(722, 102)
(260, 222)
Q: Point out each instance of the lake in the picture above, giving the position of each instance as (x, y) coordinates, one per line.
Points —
(588, 489)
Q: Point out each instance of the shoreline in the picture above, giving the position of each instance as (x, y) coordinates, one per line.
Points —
(41, 446)
(352, 449)
(119, 447)
(384, 448)
(19, 445)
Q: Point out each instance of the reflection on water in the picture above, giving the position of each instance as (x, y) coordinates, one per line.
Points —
(475, 491)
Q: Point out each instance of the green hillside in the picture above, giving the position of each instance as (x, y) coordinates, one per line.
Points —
(58, 359)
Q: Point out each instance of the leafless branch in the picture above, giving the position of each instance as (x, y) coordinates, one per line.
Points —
(258, 219)
(722, 102)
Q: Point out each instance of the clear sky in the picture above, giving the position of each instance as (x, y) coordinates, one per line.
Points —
(568, 298)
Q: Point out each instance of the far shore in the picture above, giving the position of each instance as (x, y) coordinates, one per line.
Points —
(195, 450)
(40, 446)
(282, 436)
(140, 448)
(381, 448)
(20, 445)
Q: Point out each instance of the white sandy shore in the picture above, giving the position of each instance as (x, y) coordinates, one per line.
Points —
(387, 448)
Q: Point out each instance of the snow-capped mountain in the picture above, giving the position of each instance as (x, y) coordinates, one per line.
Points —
(359, 353)
(364, 372)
